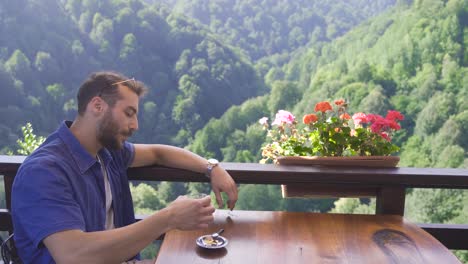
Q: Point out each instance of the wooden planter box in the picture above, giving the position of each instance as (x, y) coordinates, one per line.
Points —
(329, 191)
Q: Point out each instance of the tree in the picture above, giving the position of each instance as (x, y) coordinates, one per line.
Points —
(353, 206)
(433, 205)
(169, 191)
(145, 198)
(47, 66)
(259, 197)
(434, 114)
(30, 141)
(18, 65)
(283, 95)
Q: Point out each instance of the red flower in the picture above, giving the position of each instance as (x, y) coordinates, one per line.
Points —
(394, 115)
(378, 123)
(322, 107)
(386, 136)
(310, 118)
(394, 125)
(345, 116)
(340, 102)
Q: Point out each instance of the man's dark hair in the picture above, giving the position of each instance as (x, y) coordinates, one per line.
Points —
(105, 85)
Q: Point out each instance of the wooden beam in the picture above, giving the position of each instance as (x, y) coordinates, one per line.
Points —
(452, 236)
(5, 220)
(390, 200)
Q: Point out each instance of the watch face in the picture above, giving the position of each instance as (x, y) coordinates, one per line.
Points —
(213, 161)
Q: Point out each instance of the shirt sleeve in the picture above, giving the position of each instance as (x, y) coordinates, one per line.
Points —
(43, 203)
(127, 154)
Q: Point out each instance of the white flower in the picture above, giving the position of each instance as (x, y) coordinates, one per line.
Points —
(263, 121)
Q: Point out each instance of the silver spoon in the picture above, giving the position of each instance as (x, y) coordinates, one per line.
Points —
(216, 235)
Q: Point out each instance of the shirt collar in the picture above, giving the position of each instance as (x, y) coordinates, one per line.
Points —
(81, 157)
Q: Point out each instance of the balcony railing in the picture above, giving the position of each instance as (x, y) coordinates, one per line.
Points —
(388, 185)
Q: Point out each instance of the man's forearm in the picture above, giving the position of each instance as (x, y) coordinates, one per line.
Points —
(149, 154)
(111, 246)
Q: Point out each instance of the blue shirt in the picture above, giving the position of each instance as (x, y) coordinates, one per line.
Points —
(61, 187)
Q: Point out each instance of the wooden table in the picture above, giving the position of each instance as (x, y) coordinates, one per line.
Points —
(287, 237)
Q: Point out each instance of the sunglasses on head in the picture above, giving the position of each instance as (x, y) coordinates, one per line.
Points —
(124, 81)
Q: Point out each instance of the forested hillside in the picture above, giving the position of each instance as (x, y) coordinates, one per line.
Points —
(413, 60)
(53, 45)
(194, 71)
(265, 28)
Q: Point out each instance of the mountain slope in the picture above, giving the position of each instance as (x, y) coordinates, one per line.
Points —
(53, 45)
(264, 28)
(412, 59)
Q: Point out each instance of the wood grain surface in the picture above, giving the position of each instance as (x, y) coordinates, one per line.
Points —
(287, 237)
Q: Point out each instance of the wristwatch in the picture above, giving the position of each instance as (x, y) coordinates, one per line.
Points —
(212, 163)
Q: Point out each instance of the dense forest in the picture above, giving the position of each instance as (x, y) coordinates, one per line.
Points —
(194, 74)
(216, 67)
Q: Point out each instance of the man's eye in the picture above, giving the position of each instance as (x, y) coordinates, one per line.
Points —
(129, 114)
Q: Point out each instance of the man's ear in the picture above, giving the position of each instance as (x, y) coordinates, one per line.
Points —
(97, 105)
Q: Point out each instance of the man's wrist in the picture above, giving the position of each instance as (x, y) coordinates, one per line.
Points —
(211, 164)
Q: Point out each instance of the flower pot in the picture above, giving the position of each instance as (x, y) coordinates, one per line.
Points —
(351, 161)
(323, 190)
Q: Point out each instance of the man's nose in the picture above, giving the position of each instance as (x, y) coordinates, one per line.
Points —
(134, 124)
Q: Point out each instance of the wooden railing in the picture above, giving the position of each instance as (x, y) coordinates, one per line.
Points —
(388, 185)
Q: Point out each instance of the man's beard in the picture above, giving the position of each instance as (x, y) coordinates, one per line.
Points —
(108, 132)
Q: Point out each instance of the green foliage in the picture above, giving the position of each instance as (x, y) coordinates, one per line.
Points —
(268, 197)
(259, 197)
(416, 153)
(30, 141)
(434, 205)
(61, 42)
(283, 95)
(151, 250)
(46, 65)
(56, 91)
(433, 116)
(212, 142)
(263, 28)
(145, 198)
(169, 191)
(18, 65)
(353, 206)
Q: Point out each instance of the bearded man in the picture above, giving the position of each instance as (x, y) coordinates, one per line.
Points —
(71, 200)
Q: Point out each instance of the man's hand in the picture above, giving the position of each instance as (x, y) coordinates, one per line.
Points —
(188, 214)
(221, 181)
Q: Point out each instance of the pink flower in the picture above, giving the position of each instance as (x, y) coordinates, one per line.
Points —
(359, 118)
(283, 117)
(263, 121)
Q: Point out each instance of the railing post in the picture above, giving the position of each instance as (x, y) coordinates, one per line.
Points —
(8, 178)
(390, 200)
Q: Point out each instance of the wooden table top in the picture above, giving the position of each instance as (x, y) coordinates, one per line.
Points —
(288, 237)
